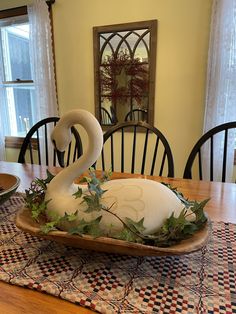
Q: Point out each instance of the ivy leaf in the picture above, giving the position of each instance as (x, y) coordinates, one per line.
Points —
(36, 193)
(87, 227)
(79, 193)
(197, 209)
(70, 217)
(180, 195)
(190, 229)
(85, 180)
(93, 187)
(53, 216)
(40, 183)
(94, 227)
(80, 228)
(49, 178)
(38, 209)
(56, 220)
(106, 175)
(126, 235)
(135, 226)
(93, 203)
(49, 226)
(43, 182)
(178, 228)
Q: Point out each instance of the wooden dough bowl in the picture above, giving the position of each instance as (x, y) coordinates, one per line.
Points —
(25, 222)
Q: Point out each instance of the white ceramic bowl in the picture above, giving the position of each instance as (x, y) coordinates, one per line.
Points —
(8, 185)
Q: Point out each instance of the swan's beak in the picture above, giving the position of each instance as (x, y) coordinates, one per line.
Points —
(60, 157)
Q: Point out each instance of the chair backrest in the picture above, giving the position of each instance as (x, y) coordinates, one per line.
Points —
(209, 138)
(142, 149)
(136, 115)
(39, 149)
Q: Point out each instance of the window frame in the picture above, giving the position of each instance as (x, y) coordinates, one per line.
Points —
(152, 26)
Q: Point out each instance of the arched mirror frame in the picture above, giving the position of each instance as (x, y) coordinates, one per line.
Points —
(151, 27)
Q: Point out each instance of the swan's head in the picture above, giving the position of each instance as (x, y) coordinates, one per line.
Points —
(61, 138)
(61, 135)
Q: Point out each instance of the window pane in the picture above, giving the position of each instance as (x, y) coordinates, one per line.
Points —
(19, 97)
(16, 52)
(18, 40)
(20, 101)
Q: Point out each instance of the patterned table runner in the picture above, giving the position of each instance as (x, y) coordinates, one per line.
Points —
(202, 282)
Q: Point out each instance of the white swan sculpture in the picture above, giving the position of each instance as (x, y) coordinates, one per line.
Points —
(132, 198)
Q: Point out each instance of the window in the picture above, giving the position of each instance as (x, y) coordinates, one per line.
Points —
(16, 80)
(27, 76)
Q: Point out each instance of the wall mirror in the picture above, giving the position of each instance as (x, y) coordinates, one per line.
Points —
(124, 72)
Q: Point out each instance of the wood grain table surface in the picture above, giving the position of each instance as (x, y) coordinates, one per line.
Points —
(17, 300)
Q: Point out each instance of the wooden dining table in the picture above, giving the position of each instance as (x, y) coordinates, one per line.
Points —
(15, 299)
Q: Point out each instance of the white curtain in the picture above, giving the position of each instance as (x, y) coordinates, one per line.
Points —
(221, 80)
(40, 42)
(42, 59)
(2, 115)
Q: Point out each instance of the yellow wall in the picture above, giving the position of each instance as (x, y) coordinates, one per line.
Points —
(183, 33)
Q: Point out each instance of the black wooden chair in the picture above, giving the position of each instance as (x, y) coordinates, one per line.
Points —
(136, 115)
(142, 149)
(209, 138)
(39, 149)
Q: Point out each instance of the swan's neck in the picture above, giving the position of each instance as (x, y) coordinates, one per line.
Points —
(64, 179)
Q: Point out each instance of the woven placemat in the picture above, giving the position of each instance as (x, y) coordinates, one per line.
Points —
(202, 282)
